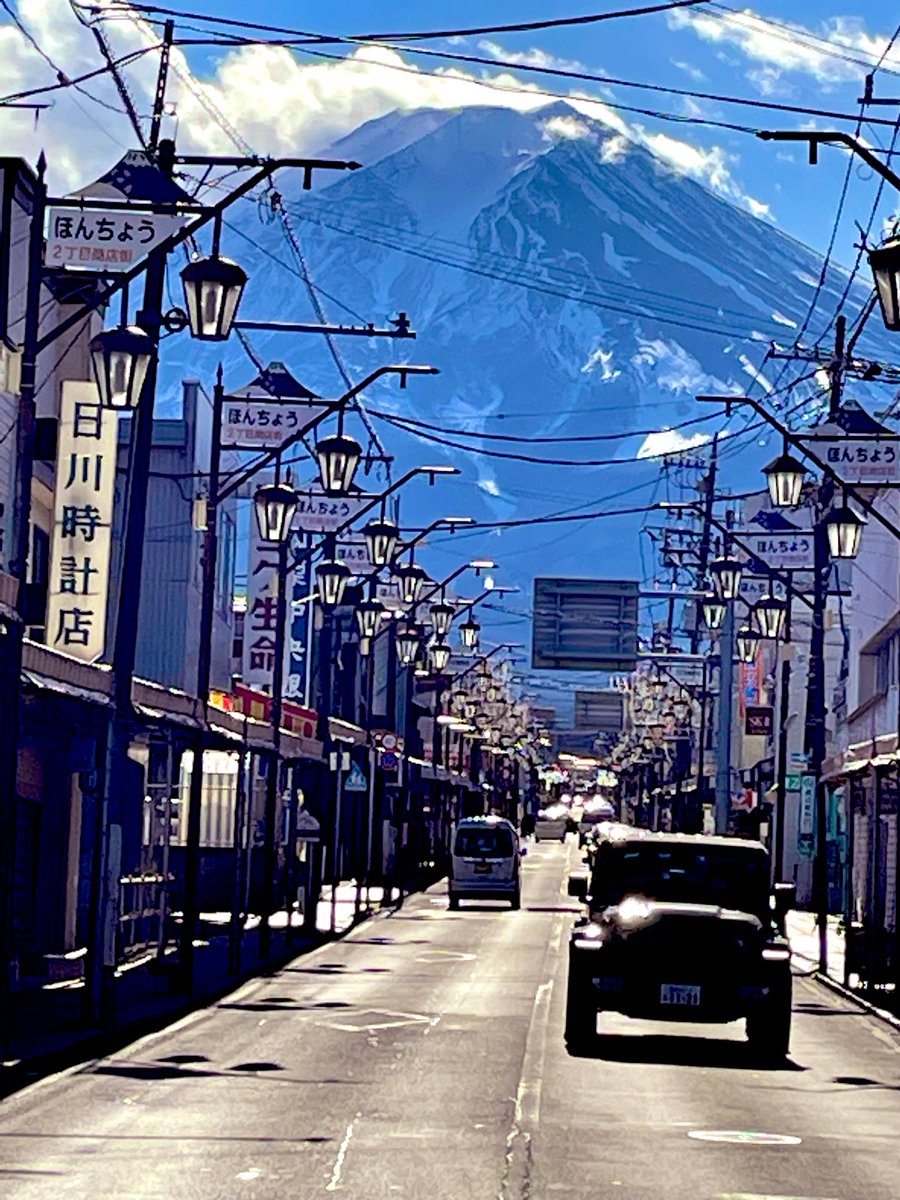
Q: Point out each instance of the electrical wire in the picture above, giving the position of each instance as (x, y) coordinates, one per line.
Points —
(520, 27)
(124, 60)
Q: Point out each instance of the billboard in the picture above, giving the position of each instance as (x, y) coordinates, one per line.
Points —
(600, 711)
(585, 624)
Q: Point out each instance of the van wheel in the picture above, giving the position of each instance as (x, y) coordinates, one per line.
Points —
(453, 903)
(516, 901)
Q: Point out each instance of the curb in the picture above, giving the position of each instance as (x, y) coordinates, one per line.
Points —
(101, 1042)
(848, 994)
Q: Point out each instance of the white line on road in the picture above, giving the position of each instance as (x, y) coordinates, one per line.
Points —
(517, 1174)
(335, 1182)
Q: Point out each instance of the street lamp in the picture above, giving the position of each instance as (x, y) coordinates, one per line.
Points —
(440, 656)
(770, 613)
(369, 615)
(713, 611)
(747, 643)
(410, 580)
(332, 577)
(275, 505)
(381, 541)
(212, 291)
(726, 575)
(442, 615)
(785, 475)
(843, 527)
(120, 358)
(469, 631)
(338, 457)
(885, 264)
(407, 644)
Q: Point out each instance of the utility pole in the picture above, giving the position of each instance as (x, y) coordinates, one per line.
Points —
(725, 715)
(709, 488)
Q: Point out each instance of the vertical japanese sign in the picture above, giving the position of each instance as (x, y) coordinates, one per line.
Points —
(259, 623)
(82, 532)
(298, 629)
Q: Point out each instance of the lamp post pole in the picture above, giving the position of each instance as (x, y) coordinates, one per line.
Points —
(725, 718)
(781, 766)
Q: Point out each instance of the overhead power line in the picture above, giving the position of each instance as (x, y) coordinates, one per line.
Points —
(425, 35)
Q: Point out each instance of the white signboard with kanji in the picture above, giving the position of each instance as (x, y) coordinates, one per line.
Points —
(83, 515)
(861, 460)
(319, 513)
(107, 240)
(781, 539)
(264, 424)
(351, 549)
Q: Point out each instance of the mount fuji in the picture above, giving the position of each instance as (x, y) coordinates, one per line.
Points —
(566, 282)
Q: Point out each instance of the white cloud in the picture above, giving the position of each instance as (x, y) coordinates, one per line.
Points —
(790, 46)
(566, 127)
(533, 57)
(689, 69)
(669, 441)
(277, 102)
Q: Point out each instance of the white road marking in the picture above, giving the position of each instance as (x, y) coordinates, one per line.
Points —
(528, 1094)
(395, 1020)
(252, 1173)
(335, 1182)
(744, 1137)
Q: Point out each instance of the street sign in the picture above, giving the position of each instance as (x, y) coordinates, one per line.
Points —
(263, 424)
(389, 761)
(792, 783)
(777, 539)
(807, 804)
(389, 741)
(321, 513)
(585, 624)
(872, 460)
(308, 828)
(356, 780)
(759, 720)
(352, 550)
(113, 239)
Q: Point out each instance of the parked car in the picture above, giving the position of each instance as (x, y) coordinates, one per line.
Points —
(593, 813)
(485, 858)
(552, 824)
(680, 928)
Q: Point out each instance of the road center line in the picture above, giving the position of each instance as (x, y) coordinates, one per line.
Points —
(335, 1182)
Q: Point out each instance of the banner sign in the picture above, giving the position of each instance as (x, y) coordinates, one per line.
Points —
(113, 239)
(781, 540)
(261, 615)
(352, 550)
(320, 513)
(263, 424)
(861, 460)
(82, 530)
(298, 623)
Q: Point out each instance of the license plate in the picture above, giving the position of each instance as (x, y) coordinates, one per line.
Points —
(482, 868)
(680, 993)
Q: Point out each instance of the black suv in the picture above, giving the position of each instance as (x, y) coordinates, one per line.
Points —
(680, 927)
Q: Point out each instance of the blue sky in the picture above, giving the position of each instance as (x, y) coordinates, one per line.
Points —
(281, 101)
(710, 51)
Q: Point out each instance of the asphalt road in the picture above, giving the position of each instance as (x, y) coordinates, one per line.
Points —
(422, 1059)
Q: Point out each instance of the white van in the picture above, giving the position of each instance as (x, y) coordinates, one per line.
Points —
(484, 862)
(552, 824)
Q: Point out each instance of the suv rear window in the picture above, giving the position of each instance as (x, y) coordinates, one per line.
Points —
(686, 874)
(489, 842)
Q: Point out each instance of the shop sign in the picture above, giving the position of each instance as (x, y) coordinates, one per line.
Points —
(83, 516)
(251, 424)
(759, 720)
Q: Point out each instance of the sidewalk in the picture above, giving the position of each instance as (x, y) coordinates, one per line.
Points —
(46, 1028)
(803, 934)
